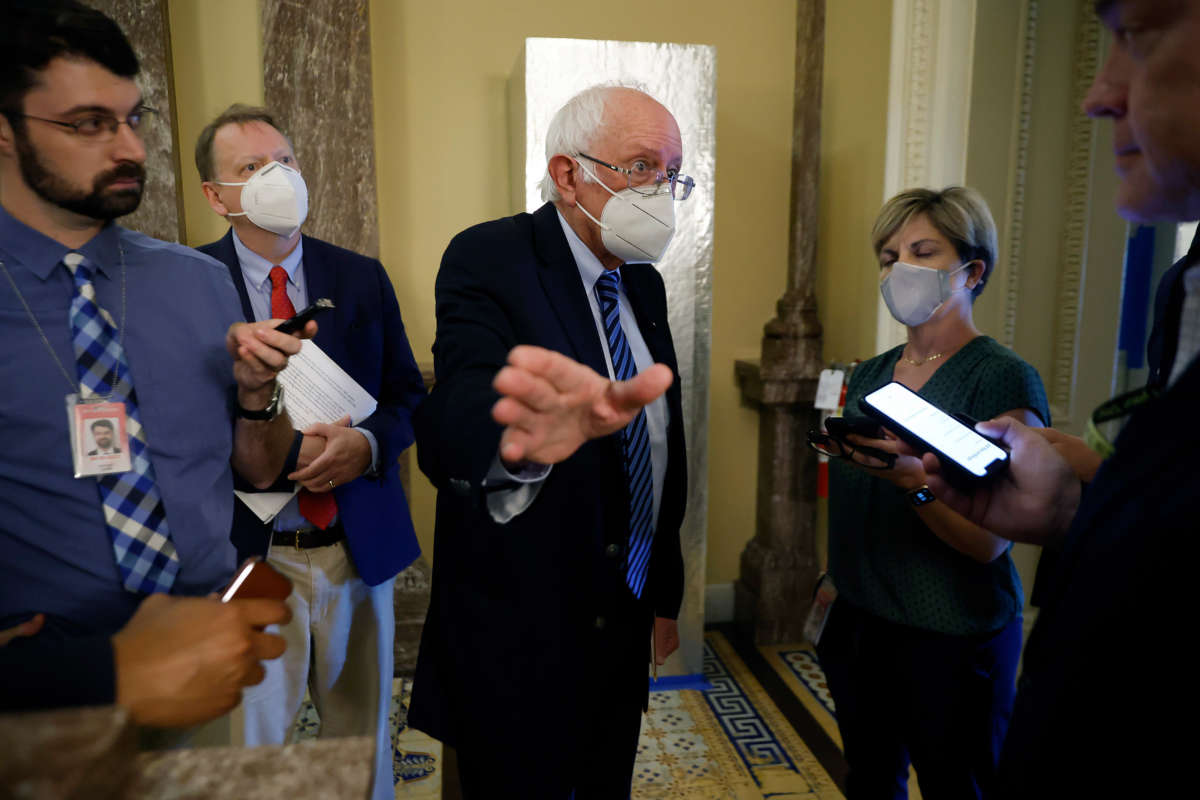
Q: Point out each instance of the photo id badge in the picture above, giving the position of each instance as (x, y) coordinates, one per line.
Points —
(823, 599)
(99, 437)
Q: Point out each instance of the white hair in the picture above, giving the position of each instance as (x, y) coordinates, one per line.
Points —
(575, 128)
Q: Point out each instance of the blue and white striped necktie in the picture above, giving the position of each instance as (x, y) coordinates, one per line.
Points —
(635, 440)
(133, 508)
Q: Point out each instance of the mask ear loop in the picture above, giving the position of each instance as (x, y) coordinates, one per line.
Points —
(579, 205)
(967, 266)
(227, 183)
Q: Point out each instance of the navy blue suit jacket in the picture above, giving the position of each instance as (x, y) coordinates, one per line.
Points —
(365, 336)
(514, 607)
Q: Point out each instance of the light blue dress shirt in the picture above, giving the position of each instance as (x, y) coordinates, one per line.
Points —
(172, 306)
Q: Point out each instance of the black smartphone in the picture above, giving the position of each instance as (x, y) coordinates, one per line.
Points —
(963, 452)
(302, 318)
(840, 427)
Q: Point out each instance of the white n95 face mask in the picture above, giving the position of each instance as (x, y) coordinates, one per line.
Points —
(275, 199)
(914, 293)
(635, 227)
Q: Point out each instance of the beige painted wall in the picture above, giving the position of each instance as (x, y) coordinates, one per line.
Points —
(217, 53)
(853, 149)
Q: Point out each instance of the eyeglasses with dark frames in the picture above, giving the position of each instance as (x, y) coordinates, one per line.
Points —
(646, 181)
(103, 127)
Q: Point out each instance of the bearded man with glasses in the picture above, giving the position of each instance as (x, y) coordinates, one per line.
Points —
(105, 318)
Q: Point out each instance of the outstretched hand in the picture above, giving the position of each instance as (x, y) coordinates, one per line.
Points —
(1033, 501)
(551, 404)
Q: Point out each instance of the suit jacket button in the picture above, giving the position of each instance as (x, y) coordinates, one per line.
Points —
(613, 550)
(460, 486)
(600, 623)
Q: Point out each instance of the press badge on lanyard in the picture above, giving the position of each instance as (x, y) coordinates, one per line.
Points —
(99, 436)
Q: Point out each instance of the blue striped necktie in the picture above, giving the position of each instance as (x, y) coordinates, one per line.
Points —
(133, 508)
(635, 441)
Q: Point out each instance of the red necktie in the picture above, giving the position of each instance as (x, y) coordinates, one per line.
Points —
(319, 509)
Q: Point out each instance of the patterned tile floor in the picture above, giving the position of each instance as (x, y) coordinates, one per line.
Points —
(797, 665)
(729, 742)
(416, 757)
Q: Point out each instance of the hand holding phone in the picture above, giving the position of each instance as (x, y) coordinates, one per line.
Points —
(257, 578)
(302, 318)
(966, 455)
(833, 442)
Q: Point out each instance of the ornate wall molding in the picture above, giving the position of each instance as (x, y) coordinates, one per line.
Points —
(918, 95)
(1013, 249)
(1077, 205)
(928, 107)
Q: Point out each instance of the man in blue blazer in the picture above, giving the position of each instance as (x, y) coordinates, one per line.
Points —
(348, 532)
(545, 589)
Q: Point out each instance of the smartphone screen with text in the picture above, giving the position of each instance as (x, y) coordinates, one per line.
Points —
(927, 427)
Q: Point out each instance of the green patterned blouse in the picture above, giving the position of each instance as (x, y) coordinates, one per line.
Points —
(883, 559)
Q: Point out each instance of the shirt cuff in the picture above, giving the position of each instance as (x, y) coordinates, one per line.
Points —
(519, 490)
(373, 469)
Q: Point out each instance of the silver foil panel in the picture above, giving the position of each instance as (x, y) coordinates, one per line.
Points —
(683, 78)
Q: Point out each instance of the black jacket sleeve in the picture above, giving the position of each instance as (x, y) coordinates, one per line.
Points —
(41, 673)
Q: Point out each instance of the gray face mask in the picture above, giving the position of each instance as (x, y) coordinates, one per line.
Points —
(914, 293)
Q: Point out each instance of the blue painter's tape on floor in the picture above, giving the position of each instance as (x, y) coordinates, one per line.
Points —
(669, 683)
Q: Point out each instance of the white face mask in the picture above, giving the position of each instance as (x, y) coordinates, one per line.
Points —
(635, 227)
(275, 199)
(914, 293)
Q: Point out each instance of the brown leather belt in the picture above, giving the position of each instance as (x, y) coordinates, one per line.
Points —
(305, 540)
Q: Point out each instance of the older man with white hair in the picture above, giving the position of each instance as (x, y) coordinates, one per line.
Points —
(559, 506)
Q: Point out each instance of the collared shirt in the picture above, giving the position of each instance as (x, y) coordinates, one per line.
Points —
(506, 504)
(590, 270)
(256, 272)
(172, 307)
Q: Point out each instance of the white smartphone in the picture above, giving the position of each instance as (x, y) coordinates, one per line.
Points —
(926, 427)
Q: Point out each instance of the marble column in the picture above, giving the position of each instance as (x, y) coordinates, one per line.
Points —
(779, 567)
(317, 80)
(145, 24)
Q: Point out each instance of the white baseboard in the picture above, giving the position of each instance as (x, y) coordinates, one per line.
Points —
(718, 603)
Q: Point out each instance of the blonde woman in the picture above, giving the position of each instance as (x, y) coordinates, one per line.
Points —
(921, 647)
